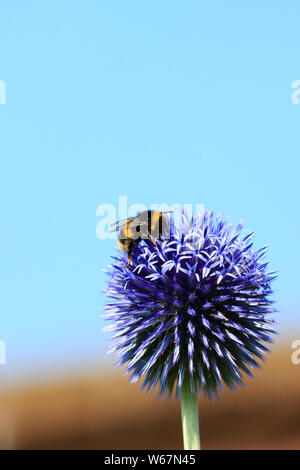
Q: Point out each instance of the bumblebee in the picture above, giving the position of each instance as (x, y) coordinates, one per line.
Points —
(151, 225)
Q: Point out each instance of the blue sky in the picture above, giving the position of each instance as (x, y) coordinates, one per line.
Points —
(159, 101)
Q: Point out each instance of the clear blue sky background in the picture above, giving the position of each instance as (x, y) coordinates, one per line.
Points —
(161, 101)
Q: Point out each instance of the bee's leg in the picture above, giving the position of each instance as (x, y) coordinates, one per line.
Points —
(128, 262)
(152, 240)
(129, 253)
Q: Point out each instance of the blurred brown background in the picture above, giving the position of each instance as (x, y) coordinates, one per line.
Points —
(105, 412)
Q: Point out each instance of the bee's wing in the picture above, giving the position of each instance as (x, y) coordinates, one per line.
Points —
(166, 225)
(143, 218)
(136, 222)
(168, 212)
(115, 227)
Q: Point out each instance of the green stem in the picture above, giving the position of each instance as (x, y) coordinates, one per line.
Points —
(189, 417)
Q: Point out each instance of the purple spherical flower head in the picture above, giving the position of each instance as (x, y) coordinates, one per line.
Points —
(194, 306)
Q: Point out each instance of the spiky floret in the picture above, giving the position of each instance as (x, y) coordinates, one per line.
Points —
(195, 305)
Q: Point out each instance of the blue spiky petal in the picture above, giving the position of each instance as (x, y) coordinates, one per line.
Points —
(196, 306)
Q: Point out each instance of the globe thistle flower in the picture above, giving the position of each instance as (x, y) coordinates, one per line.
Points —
(191, 314)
